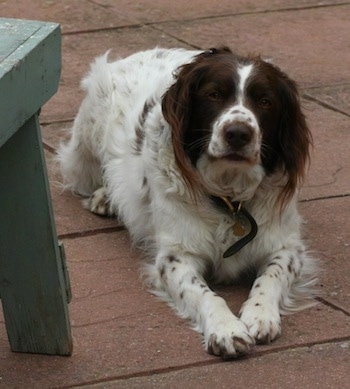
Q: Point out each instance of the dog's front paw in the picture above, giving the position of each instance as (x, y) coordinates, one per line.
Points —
(231, 340)
(263, 322)
(98, 203)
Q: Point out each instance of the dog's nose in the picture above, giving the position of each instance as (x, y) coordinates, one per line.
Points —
(238, 135)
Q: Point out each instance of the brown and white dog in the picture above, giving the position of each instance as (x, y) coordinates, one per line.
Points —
(200, 154)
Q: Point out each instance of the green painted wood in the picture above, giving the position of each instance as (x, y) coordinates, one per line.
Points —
(30, 66)
(33, 287)
(32, 284)
(16, 32)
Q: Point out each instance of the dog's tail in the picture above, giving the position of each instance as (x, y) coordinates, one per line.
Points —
(98, 83)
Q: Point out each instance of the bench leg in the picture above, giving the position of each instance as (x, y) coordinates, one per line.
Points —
(32, 284)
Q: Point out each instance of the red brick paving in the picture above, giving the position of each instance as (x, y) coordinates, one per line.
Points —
(123, 336)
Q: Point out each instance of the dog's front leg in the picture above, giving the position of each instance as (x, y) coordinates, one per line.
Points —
(224, 334)
(270, 291)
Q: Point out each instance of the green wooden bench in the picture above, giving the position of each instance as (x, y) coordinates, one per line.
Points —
(34, 286)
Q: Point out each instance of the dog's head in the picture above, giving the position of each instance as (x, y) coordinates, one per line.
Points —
(233, 115)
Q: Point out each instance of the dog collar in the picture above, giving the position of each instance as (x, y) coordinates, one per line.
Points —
(237, 212)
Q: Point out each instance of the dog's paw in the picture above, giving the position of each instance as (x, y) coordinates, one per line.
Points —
(98, 203)
(230, 340)
(263, 322)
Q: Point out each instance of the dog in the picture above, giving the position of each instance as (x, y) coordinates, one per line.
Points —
(201, 154)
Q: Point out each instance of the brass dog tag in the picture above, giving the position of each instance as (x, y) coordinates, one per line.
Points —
(238, 228)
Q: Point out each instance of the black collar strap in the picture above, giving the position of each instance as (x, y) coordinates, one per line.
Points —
(234, 208)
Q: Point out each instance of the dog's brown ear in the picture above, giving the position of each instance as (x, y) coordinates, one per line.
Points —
(295, 137)
(177, 108)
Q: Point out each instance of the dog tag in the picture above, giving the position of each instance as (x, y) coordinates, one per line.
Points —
(238, 228)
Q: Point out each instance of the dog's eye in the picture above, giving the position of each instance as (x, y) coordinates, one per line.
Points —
(265, 103)
(215, 96)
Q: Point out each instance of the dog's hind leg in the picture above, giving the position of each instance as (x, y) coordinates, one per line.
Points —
(81, 170)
